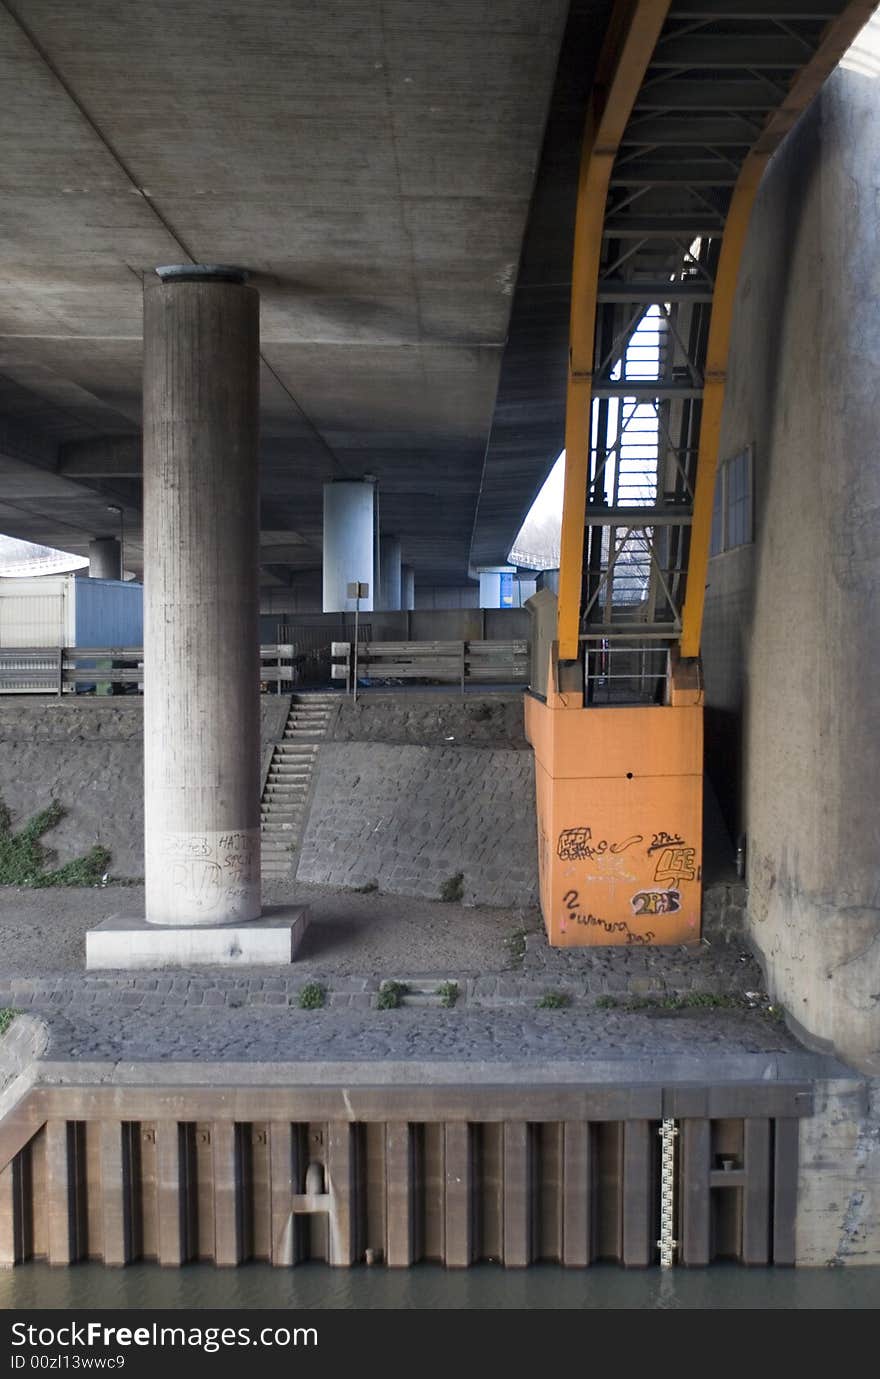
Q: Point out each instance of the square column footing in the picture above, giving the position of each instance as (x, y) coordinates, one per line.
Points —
(123, 941)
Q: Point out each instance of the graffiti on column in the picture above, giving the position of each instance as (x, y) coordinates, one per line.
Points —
(578, 914)
(577, 845)
(656, 902)
(212, 869)
(664, 840)
(676, 864)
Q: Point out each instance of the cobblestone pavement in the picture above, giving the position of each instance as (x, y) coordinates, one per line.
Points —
(270, 1034)
(499, 959)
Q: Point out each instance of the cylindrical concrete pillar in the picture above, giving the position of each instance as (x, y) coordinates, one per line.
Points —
(407, 587)
(490, 589)
(105, 558)
(496, 587)
(389, 560)
(348, 545)
(201, 602)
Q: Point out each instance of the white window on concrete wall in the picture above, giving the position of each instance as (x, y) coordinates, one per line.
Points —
(733, 506)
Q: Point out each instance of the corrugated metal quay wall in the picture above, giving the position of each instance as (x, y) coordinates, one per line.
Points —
(453, 1175)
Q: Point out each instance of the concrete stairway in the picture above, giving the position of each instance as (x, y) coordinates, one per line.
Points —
(282, 810)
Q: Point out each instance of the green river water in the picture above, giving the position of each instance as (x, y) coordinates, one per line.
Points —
(430, 1286)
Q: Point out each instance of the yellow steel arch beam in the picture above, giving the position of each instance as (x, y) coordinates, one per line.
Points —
(632, 36)
(835, 41)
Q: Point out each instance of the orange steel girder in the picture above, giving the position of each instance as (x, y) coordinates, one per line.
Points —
(619, 790)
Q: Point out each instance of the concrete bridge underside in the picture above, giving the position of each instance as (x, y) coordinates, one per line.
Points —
(401, 180)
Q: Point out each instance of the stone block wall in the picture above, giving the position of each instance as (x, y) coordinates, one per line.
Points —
(433, 719)
(89, 755)
(411, 818)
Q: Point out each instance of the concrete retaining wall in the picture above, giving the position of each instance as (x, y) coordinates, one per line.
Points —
(89, 755)
(838, 1218)
(792, 638)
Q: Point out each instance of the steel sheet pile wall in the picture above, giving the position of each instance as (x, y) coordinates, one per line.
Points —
(452, 1190)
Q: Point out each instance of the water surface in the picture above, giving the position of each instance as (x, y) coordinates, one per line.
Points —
(430, 1286)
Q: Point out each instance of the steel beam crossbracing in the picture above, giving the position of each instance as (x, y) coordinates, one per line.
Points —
(633, 33)
(692, 99)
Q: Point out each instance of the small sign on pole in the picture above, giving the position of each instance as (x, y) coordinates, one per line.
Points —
(357, 591)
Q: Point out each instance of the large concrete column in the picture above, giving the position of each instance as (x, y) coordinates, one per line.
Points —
(201, 605)
(389, 563)
(407, 587)
(105, 558)
(492, 586)
(348, 545)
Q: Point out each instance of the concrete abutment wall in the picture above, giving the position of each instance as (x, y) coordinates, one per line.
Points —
(792, 636)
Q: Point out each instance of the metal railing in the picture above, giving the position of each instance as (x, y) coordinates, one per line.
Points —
(63, 670)
(311, 647)
(462, 663)
(625, 672)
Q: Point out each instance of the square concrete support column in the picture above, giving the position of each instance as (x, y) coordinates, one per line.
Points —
(350, 552)
(407, 588)
(201, 604)
(389, 574)
(105, 558)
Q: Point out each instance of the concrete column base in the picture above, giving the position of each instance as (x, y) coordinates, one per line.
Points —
(123, 941)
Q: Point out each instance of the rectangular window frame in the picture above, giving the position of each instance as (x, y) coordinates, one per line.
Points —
(725, 511)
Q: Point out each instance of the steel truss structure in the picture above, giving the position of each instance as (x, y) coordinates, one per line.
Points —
(692, 98)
